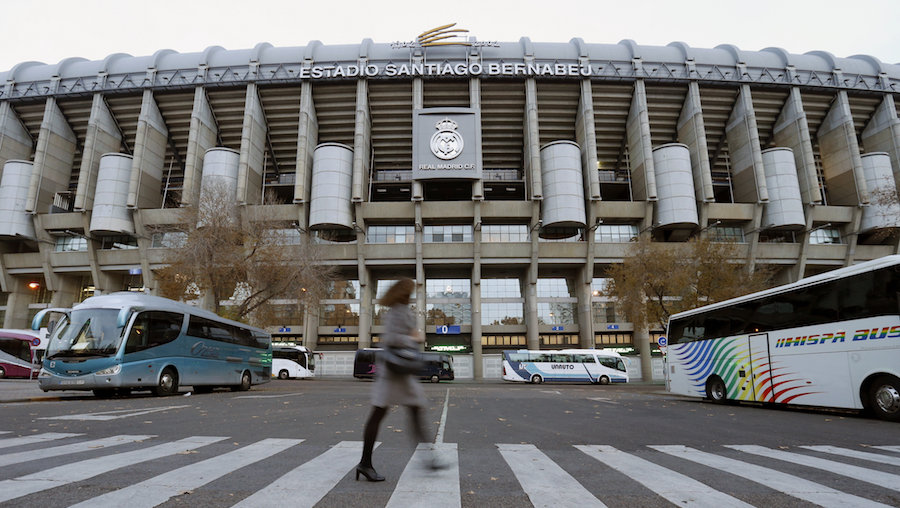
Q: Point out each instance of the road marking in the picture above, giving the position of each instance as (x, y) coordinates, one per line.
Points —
(602, 399)
(159, 489)
(546, 483)
(846, 452)
(111, 415)
(681, 490)
(556, 392)
(56, 451)
(886, 480)
(37, 438)
(793, 486)
(70, 473)
(439, 438)
(889, 448)
(268, 396)
(419, 485)
(305, 485)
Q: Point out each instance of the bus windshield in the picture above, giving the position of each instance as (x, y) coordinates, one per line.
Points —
(89, 332)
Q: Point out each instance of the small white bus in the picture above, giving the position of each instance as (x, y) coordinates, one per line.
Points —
(293, 362)
(598, 366)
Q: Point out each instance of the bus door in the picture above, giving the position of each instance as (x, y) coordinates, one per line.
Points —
(754, 379)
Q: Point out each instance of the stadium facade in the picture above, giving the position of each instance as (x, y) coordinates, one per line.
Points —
(505, 178)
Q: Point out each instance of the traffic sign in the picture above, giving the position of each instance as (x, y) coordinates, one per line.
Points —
(662, 341)
(557, 328)
(283, 330)
(447, 330)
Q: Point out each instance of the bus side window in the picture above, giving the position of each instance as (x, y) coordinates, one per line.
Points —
(152, 329)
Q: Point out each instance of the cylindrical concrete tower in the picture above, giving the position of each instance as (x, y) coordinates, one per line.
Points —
(884, 210)
(110, 213)
(677, 204)
(332, 176)
(785, 207)
(14, 221)
(562, 209)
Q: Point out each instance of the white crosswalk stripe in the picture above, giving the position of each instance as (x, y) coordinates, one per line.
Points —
(676, 487)
(37, 438)
(419, 485)
(546, 483)
(69, 473)
(856, 454)
(886, 480)
(305, 485)
(791, 485)
(159, 489)
(56, 451)
(542, 479)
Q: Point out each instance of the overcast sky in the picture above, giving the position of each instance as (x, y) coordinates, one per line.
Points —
(51, 30)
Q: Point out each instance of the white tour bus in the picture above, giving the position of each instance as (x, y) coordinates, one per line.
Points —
(828, 340)
(598, 366)
(293, 362)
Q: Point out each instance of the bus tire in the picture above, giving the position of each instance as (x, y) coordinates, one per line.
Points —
(435, 379)
(884, 398)
(537, 379)
(104, 393)
(283, 374)
(168, 383)
(716, 390)
(604, 380)
(2, 373)
(203, 389)
(246, 381)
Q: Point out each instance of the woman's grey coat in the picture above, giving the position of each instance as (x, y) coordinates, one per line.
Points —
(397, 389)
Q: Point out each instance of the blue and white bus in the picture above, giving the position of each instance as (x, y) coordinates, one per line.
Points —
(128, 341)
(598, 366)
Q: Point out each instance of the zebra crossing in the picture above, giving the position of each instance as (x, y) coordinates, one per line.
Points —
(544, 481)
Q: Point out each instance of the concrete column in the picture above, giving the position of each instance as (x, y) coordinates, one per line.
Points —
(585, 314)
(15, 141)
(641, 338)
(17, 304)
(150, 146)
(586, 137)
(144, 241)
(477, 358)
(365, 308)
(66, 293)
(362, 143)
(203, 136)
(747, 170)
(418, 102)
(692, 132)
(475, 103)
(640, 147)
(839, 150)
(307, 139)
(532, 333)
(882, 134)
(53, 159)
(253, 149)
(311, 326)
(532, 140)
(792, 131)
(103, 136)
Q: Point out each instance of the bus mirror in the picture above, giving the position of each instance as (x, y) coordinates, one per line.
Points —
(122, 318)
(50, 326)
(39, 317)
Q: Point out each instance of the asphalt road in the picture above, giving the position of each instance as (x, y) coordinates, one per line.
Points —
(505, 445)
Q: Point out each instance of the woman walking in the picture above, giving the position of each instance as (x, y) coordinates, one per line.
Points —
(391, 388)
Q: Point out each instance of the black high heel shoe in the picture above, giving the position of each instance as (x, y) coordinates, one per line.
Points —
(369, 473)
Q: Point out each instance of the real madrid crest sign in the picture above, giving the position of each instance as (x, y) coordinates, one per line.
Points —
(446, 144)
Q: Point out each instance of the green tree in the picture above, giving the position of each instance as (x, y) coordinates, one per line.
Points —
(659, 279)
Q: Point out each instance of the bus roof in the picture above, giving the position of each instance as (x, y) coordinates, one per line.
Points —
(808, 281)
(132, 299)
(28, 335)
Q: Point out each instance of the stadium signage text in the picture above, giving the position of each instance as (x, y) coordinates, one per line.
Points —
(460, 69)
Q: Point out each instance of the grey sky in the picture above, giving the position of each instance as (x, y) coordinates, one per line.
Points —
(52, 30)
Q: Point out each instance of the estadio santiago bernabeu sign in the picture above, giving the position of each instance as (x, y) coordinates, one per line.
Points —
(446, 143)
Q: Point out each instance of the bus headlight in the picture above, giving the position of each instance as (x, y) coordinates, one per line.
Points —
(43, 373)
(115, 369)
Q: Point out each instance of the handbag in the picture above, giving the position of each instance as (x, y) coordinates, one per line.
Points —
(403, 361)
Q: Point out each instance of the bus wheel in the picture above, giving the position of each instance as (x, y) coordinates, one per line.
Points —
(2, 373)
(884, 398)
(245, 383)
(104, 393)
(435, 379)
(603, 380)
(283, 374)
(716, 391)
(168, 383)
(537, 379)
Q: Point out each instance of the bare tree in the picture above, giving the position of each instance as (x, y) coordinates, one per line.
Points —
(659, 279)
(226, 257)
